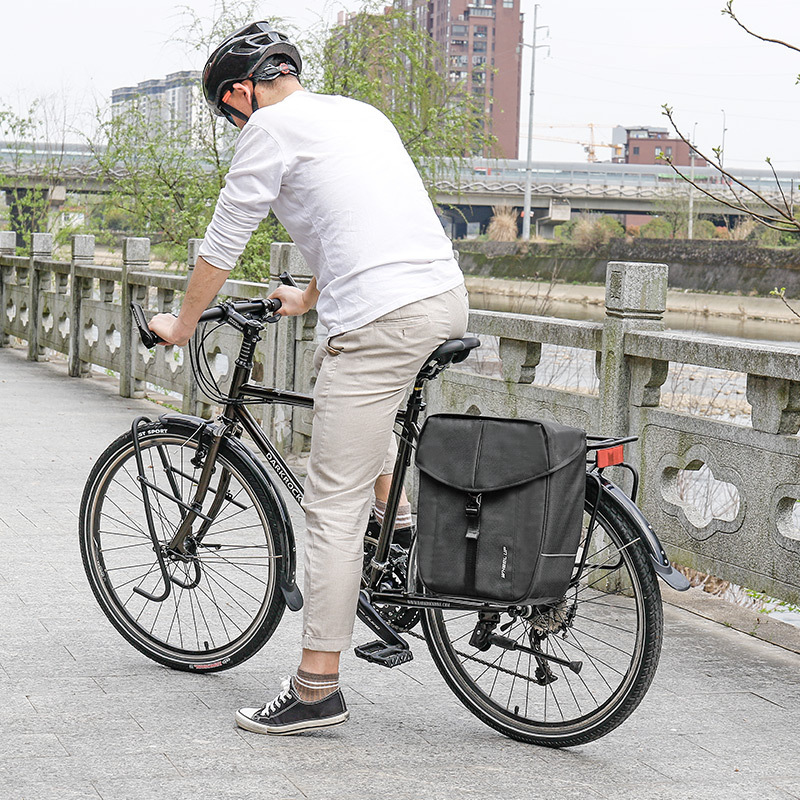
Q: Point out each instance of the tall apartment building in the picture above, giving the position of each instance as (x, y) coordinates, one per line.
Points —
(178, 99)
(482, 39)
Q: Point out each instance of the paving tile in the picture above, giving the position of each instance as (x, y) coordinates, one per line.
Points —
(84, 715)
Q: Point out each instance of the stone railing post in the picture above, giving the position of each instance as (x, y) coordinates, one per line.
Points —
(775, 404)
(636, 298)
(80, 289)
(41, 247)
(135, 255)
(8, 247)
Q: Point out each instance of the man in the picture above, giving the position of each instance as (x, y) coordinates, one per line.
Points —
(387, 289)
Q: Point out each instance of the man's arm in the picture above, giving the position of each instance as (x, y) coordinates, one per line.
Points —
(203, 286)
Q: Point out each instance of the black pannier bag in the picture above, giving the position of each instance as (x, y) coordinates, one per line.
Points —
(500, 507)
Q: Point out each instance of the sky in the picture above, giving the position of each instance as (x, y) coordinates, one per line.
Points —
(604, 63)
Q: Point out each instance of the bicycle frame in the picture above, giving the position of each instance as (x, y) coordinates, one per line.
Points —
(237, 419)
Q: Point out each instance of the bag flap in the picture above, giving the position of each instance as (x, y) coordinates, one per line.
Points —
(478, 454)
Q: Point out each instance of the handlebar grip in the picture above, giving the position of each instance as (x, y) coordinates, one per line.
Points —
(286, 279)
(148, 337)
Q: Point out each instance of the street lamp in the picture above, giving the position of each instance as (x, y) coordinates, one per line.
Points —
(526, 218)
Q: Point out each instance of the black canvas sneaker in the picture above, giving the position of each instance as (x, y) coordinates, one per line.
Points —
(287, 713)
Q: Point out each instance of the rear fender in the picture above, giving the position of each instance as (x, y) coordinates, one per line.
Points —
(653, 546)
(287, 564)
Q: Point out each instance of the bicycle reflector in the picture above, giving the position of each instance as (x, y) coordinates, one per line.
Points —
(609, 456)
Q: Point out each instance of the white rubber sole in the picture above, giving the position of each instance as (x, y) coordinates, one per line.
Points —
(286, 730)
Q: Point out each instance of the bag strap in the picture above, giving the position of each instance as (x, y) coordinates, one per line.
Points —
(473, 514)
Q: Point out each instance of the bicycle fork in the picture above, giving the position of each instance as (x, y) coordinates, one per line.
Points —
(176, 548)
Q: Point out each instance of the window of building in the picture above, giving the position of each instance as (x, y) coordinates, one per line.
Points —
(636, 151)
(508, 3)
(658, 152)
(480, 32)
(478, 59)
(458, 30)
(668, 151)
(479, 47)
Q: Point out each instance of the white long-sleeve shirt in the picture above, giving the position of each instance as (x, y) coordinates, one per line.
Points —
(340, 181)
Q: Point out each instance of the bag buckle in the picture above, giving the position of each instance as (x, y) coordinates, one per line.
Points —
(473, 512)
(473, 508)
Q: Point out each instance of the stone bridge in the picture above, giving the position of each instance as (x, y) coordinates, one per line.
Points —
(85, 716)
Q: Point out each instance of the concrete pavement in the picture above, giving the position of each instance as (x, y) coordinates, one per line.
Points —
(84, 715)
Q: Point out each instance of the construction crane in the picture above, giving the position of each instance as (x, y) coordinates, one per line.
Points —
(589, 147)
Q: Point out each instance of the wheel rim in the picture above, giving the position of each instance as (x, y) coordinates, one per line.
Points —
(606, 633)
(234, 560)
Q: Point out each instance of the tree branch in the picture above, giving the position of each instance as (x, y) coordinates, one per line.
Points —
(729, 12)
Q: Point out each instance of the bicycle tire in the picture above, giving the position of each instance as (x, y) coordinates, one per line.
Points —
(236, 604)
(618, 599)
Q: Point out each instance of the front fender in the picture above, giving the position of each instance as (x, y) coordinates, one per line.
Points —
(658, 556)
(287, 564)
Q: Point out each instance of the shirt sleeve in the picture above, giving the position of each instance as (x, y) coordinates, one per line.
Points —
(251, 186)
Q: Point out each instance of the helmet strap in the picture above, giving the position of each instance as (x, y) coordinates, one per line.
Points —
(229, 111)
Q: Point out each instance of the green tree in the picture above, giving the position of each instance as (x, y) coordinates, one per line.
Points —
(382, 57)
(32, 167)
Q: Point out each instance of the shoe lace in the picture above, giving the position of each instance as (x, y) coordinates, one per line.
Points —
(285, 694)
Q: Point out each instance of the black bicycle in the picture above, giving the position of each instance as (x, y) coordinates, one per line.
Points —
(189, 549)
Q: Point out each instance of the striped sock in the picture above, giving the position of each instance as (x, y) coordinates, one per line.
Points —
(403, 514)
(310, 687)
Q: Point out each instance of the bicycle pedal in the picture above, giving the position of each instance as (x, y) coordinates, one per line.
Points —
(387, 655)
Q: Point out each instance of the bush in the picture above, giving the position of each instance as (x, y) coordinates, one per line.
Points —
(503, 225)
(590, 231)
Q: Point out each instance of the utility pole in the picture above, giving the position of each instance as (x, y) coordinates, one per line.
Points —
(526, 218)
(691, 184)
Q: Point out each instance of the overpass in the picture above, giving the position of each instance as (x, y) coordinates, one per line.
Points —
(468, 193)
(604, 188)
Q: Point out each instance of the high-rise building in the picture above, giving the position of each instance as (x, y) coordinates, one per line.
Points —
(482, 40)
(176, 99)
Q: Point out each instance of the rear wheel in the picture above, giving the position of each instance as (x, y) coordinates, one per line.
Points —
(611, 621)
(224, 600)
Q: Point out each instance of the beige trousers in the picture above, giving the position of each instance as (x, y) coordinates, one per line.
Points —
(362, 380)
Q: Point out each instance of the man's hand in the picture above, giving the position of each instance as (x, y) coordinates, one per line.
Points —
(294, 301)
(171, 329)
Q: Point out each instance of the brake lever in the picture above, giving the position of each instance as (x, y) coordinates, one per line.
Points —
(149, 338)
(287, 280)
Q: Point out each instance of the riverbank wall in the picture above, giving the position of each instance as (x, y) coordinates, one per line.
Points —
(702, 266)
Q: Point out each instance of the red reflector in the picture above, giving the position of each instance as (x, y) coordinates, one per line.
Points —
(610, 456)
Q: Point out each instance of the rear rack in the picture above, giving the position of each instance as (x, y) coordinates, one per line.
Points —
(610, 453)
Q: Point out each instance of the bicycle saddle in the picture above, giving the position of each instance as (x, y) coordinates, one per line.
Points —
(454, 351)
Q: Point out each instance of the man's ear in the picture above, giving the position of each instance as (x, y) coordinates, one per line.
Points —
(247, 88)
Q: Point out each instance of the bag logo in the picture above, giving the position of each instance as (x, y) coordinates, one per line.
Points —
(505, 562)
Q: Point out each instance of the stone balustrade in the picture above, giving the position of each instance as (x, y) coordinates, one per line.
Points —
(79, 309)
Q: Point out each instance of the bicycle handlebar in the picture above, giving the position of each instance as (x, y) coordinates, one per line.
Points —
(220, 312)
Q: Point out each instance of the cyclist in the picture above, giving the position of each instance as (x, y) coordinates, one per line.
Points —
(387, 289)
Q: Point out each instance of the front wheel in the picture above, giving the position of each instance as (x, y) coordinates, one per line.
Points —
(611, 621)
(224, 599)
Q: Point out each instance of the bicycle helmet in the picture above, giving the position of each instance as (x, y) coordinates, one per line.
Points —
(257, 52)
